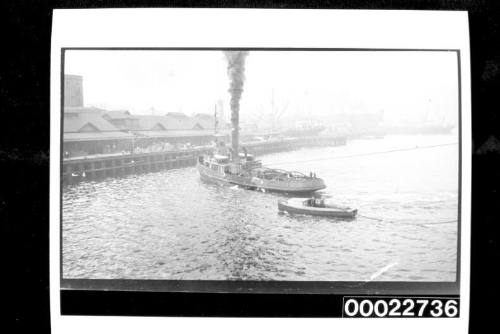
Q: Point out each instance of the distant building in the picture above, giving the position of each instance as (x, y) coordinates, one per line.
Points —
(175, 128)
(150, 123)
(179, 115)
(91, 130)
(207, 122)
(73, 90)
(122, 119)
(86, 132)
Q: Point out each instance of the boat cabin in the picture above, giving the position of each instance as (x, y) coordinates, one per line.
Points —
(316, 202)
(222, 159)
(247, 157)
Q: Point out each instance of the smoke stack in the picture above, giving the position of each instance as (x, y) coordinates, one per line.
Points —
(236, 73)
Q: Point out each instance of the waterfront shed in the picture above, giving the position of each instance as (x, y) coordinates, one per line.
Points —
(86, 132)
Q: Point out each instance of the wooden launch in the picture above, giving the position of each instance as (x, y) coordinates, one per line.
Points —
(309, 206)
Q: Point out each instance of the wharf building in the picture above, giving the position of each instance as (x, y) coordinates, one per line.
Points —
(89, 131)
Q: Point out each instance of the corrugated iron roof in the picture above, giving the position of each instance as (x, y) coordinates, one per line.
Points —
(174, 134)
(176, 114)
(204, 121)
(179, 123)
(118, 114)
(204, 115)
(79, 119)
(150, 122)
(74, 122)
(84, 110)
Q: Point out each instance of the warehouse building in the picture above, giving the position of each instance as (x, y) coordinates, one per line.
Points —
(93, 131)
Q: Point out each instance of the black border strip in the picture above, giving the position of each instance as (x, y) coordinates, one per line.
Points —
(140, 303)
(273, 287)
(72, 288)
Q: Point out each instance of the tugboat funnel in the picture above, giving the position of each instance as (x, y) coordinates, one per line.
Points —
(236, 74)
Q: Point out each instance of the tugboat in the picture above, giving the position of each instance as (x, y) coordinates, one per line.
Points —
(249, 173)
(227, 166)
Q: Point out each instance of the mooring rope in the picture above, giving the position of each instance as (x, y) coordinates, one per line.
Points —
(439, 223)
(372, 218)
(366, 154)
(413, 224)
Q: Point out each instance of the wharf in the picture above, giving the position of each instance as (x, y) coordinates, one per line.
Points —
(114, 165)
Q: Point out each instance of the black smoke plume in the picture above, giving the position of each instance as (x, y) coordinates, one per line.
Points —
(236, 73)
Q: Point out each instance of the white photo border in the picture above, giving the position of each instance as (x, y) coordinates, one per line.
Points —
(250, 29)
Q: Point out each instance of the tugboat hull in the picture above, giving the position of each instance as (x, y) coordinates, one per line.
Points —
(305, 185)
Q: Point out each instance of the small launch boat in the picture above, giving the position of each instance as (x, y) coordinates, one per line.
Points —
(315, 207)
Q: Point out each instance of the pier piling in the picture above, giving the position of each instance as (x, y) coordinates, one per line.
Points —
(90, 168)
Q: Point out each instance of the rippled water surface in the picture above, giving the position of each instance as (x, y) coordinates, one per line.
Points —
(170, 225)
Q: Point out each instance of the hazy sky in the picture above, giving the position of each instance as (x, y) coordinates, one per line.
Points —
(407, 86)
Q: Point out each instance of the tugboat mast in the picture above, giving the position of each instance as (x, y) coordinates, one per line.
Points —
(216, 122)
(235, 132)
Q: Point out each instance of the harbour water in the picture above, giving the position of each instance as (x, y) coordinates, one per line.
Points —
(170, 225)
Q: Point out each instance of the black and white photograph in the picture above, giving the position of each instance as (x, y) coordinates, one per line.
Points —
(251, 166)
(233, 163)
(260, 165)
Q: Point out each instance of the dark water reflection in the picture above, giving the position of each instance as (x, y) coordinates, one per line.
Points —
(170, 225)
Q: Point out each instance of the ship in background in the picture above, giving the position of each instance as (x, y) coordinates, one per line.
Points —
(359, 124)
(374, 125)
(424, 129)
(305, 129)
(431, 122)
